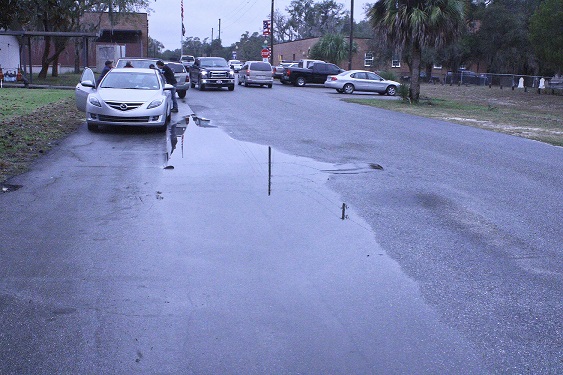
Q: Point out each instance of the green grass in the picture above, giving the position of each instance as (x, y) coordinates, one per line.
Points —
(19, 102)
(66, 79)
(524, 114)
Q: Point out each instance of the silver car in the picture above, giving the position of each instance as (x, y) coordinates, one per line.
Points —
(182, 77)
(361, 80)
(280, 69)
(256, 73)
(235, 65)
(125, 96)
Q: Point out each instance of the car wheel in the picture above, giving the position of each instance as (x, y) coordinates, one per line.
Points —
(300, 82)
(92, 127)
(340, 91)
(391, 90)
(348, 88)
(270, 86)
(201, 87)
(245, 83)
(232, 88)
(192, 84)
(181, 94)
(239, 82)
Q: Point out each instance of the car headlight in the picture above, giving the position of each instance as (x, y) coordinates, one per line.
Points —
(204, 72)
(232, 73)
(155, 103)
(94, 101)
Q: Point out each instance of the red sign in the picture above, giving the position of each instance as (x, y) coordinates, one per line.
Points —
(265, 53)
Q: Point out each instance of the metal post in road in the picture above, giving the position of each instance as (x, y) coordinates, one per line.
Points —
(269, 170)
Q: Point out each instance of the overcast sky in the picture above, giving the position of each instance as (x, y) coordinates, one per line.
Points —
(200, 16)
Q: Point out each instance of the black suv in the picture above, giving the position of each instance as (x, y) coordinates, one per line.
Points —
(212, 72)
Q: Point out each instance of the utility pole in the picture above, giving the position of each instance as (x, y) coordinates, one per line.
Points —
(219, 29)
(272, 34)
(351, 35)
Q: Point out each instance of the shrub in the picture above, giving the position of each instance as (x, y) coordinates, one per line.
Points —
(403, 92)
(388, 75)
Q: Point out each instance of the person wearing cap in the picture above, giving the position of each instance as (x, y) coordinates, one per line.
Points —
(108, 66)
(170, 79)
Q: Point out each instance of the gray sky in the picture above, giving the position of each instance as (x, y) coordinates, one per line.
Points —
(200, 16)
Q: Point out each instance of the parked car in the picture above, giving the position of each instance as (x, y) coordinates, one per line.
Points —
(235, 65)
(361, 80)
(278, 70)
(423, 78)
(256, 73)
(182, 76)
(187, 60)
(466, 77)
(125, 96)
(212, 72)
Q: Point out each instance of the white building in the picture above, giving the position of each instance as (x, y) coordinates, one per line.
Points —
(9, 53)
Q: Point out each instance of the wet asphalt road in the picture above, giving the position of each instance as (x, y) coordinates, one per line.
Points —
(120, 254)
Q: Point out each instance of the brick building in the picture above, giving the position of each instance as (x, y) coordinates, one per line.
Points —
(126, 36)
(363, 58)
(299, 49)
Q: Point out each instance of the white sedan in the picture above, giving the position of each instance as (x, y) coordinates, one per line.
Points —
(125, 96)
(361, 80)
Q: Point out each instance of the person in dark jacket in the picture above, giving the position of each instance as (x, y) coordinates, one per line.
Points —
(170, 79)
(108, 66)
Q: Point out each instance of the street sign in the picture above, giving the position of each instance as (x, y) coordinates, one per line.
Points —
(266, 29)
(265, 53)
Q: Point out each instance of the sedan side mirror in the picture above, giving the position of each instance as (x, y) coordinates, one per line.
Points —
(88, 84)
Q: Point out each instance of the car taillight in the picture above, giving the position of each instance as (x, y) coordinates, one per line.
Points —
(248, 72)
(333, 79)
(288, 72)
(187, 78)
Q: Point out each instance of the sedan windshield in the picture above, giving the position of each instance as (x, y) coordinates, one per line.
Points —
(123, 80)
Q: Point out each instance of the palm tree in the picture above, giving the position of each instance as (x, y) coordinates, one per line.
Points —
(332, 48)
(416, 24)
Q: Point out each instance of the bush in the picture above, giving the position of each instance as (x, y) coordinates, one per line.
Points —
(388, 75)
(403, 92)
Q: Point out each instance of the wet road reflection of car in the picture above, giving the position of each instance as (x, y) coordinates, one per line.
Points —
(125, 96)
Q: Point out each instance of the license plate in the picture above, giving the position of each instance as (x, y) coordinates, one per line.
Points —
(219, 82)
(261, 77)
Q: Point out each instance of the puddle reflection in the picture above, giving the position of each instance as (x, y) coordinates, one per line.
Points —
(197, 148)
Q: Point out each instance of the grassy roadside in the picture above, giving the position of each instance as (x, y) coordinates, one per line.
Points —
(31, 123)
(516, 112)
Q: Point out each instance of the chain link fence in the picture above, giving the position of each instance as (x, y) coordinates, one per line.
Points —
(552, 85)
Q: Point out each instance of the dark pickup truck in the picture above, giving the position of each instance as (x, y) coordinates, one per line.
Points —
(211, 72)
(317, 73)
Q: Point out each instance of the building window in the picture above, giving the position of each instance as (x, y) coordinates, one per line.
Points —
(368, 59)
(395, 63)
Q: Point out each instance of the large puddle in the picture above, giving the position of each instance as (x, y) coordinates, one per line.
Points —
(290, 245)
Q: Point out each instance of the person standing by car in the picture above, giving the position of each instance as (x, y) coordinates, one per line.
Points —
(170, 79)
(108, 66)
